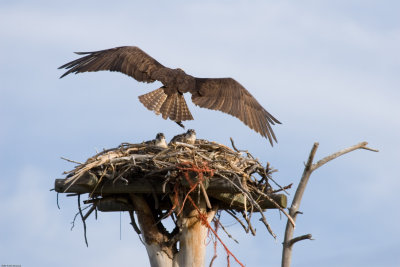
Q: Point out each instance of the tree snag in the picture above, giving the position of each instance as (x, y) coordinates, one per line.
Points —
(294, 208)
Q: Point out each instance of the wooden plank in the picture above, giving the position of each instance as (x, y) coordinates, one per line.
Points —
(86, 184)
(236, 201)
(220, 191)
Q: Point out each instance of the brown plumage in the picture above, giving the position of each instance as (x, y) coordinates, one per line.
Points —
(223, 94)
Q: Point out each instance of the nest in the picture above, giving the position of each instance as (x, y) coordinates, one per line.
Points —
(232, 179)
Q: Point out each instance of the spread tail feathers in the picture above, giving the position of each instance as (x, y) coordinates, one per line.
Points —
(172, 106)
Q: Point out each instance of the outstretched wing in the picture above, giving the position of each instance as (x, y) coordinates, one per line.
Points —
(229, 96)
(130, 60)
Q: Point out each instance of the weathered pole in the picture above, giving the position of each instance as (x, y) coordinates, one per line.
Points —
(192, 237)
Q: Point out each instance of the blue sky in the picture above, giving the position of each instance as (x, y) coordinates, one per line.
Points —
(329, 70)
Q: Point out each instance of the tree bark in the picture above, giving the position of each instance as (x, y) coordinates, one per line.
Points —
(160, 254)
(192, 237)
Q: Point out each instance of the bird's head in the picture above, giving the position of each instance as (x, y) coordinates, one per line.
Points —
(191, 132)
(160, 136)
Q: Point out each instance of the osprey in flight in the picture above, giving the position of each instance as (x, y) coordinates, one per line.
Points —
(223, 94)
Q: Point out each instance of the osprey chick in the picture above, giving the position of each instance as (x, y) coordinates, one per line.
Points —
(159, 141)
(189, 137)
(223, 94)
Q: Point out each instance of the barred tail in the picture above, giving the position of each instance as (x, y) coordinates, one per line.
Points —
(172, 106)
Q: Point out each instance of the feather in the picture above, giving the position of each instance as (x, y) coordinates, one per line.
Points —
(154, 100)
(130, 60)
(229, 96)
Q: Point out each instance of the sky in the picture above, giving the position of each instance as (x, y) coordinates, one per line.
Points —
(328, 70)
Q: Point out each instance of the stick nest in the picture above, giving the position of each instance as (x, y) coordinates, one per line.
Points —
(211, 169)
(216, 161)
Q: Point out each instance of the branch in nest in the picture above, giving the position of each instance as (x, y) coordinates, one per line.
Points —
(250, 227)
(133, 223)
(237, 219)
(83, 219)
(282, 189)
(217, 221)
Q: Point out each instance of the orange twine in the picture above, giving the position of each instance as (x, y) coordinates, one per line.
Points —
(204, 220)
(185, 168)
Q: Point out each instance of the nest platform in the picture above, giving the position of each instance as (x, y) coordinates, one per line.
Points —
(229, 178)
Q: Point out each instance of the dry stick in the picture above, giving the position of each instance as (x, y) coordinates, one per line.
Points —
(92, 208)
(277, 206)
(253, 202)
(76, 215)
(227, 233)
(262, 219)
(293, 210)
(234, 147)
(362, 145)
(203, 190)
(237, 219)
(70, 160)
(83, 220)
(299, 238)
(280, 187)
(133, 223)
(285, 187)
(58, 206)
(250, 227)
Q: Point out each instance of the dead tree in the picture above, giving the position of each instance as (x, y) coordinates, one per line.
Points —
(289, 241)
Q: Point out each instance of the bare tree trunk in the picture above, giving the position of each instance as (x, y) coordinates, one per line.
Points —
(158, 257)
(160, 254)
(294, 208)
(192, 237)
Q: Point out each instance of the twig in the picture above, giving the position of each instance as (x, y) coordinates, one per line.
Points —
(76, 215)
(283, 188)
(73, 161)
(264, 221)
(321, 162)
(226, 232)
(92, 208)
(237, 219)
(58, 206)
(299, 238)
(185, 145)
(277, 206)
(233, 145)
(253, 202)
(203, 190)
(83, 220)
(249, 226)
(133, 223)
(280, 187)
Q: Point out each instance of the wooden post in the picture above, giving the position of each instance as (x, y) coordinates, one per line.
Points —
(160, 254)
(192, 238)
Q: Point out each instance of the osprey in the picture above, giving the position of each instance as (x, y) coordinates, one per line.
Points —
(189, 137)
(159, 141)
(223, 94)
